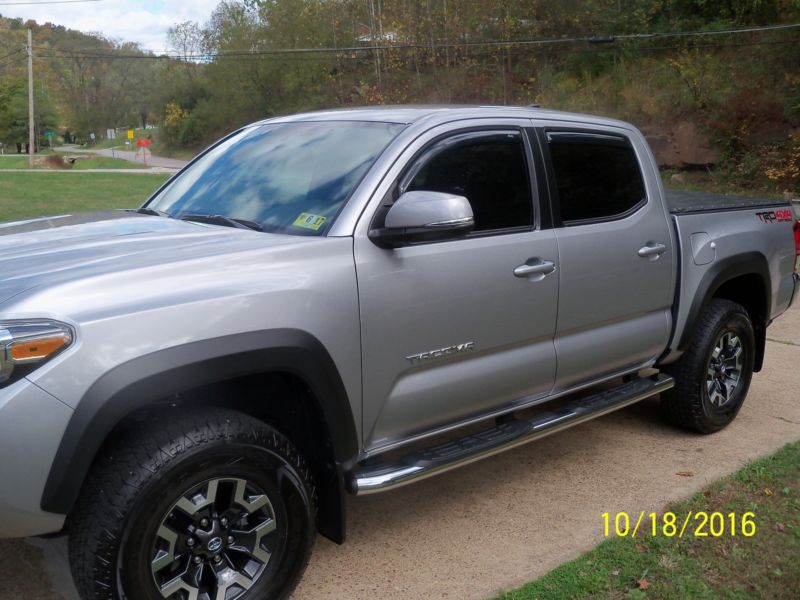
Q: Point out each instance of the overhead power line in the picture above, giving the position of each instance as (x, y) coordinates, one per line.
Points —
(100, 53)
(442, 45)
(516, 52)
(11, 54)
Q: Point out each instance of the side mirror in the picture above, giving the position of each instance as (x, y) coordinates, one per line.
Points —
(424, 217)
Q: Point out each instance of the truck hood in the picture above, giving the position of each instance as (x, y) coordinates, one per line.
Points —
(49, 252)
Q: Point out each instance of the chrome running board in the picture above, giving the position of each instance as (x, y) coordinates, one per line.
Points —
(420, 464)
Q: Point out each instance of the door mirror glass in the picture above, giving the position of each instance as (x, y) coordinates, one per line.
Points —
(423, 216)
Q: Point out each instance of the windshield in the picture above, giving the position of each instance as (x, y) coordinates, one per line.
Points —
(286, 177)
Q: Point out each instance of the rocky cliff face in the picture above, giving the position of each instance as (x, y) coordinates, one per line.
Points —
(683, 145)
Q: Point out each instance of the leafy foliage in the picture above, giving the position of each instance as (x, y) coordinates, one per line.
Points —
(257, 58)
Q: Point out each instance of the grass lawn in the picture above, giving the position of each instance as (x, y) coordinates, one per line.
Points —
(17, 161)
(25, 195)
(104, 162)
(766, 565)
(95, 162)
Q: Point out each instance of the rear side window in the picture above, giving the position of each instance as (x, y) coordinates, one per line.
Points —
(597, 176)
(490, 170)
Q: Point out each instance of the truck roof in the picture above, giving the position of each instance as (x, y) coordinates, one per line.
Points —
(408, 114)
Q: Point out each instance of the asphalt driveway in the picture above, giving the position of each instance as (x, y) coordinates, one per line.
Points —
(508, 519)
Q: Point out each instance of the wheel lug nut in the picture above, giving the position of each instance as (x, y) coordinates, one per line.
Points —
(224, 522)
(231, 540)
(217, 559)
(204, 522)
(190, 542)
(197, 560)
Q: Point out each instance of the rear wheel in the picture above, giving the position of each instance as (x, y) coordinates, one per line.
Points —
(212, 506)
(713, 376)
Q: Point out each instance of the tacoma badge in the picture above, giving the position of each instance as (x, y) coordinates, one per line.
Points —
(440, 353)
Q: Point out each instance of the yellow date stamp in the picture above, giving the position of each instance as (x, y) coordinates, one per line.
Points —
(669, 524)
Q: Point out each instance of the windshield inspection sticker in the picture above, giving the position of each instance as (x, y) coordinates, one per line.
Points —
(309, 221)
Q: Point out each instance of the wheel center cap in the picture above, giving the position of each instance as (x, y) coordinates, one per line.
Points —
(214, 545)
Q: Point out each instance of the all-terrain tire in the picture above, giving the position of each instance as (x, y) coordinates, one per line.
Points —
(133, 488)
(690, 404)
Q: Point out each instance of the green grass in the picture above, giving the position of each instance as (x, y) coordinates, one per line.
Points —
(95, 162)
(26, 195)
(104, 162)
(766, 565)
(14, 162)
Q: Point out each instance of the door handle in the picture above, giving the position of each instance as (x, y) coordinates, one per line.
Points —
(535, 266)
(652, 249)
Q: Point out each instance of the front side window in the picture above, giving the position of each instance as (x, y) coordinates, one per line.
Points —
(286, 177)
(597, 176)
(489, 170)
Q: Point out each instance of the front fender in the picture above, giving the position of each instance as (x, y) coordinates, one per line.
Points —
(159, 375)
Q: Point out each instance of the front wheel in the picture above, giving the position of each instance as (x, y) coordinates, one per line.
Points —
(713, 376)
(213, 505)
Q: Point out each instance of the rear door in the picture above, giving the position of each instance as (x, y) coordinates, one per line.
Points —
(449, 331)
(616, 252)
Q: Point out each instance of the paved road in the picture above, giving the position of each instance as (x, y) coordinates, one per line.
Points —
(153, 161)
(506, 520)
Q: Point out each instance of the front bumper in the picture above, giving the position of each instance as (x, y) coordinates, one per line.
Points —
(32, 423)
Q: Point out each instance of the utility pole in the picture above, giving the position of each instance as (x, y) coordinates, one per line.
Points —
(30, 100)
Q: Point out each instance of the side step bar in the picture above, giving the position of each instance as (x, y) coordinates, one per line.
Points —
(509, 434)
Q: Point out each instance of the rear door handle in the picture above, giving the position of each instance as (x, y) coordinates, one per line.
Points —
(652, 249)
(535, 266)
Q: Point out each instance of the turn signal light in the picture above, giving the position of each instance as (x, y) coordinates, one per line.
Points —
(25, 345)
(36, 349)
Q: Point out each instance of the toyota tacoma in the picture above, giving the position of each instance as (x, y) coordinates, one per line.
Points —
(347, 302)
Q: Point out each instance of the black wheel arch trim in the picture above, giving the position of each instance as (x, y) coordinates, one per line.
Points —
(719, 273)
(152, 377)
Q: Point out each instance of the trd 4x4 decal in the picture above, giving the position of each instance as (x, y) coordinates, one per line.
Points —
(775, 216)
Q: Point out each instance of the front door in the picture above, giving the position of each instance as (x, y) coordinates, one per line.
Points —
(449, 331)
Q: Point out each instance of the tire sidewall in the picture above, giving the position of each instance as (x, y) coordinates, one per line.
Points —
(737, 323)
(265, 468)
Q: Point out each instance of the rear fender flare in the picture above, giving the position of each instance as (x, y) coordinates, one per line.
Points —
(719, 273)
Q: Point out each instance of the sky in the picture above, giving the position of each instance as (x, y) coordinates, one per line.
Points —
(145, 21)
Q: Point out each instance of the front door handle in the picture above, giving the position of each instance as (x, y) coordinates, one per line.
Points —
(535, 266)
(652, 250)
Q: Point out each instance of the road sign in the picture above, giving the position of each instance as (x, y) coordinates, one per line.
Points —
(130, 134)
(49, 134)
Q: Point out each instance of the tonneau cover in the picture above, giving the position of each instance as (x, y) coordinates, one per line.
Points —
(684, 201)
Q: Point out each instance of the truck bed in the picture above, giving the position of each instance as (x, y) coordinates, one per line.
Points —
(684, 202)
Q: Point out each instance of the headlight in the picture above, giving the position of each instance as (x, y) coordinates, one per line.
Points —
(25, 345)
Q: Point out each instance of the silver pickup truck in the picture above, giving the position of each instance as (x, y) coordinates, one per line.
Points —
(347, 302)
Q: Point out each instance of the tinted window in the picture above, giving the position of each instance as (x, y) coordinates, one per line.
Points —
(490, 171)
(288, 177)
(596, 177)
